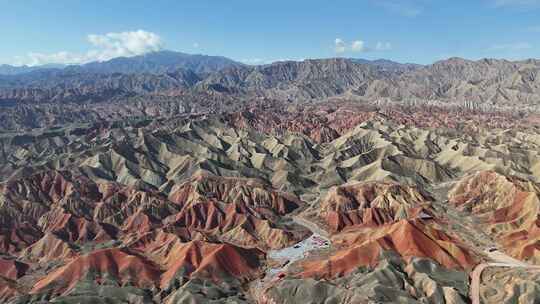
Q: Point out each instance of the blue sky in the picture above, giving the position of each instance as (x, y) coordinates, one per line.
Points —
(421, 31)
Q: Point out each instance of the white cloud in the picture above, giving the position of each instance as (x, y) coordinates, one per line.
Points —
(518, 46)
(124, 44)
(522, 3)
(358, 46)
(383, 46)
(104, 47)
(196, 45)
(339, 46)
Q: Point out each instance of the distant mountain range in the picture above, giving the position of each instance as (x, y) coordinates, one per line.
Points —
(389, 64)
(483, 82)
(154, 63)
(6, 69)
(168, 61)
(158, 63)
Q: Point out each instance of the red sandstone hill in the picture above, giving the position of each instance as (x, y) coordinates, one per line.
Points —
(17, 236)
(121, 265)
(133, 204)
(408, 238)
(508, 207)
(239, 211)
(73, 207)
(196, 258)
(372, 204)
(145, 267)
(322, 124)
(215, 261)
(48, 218)
(49, 248)
(10, 271)
(78, 210)
(249, 195)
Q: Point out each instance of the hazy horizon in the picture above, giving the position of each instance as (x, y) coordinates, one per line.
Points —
(63, 65)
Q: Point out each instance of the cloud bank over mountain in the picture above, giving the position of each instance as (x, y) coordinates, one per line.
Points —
(104, 47)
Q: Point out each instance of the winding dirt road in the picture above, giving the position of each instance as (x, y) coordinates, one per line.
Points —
(500, 260)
